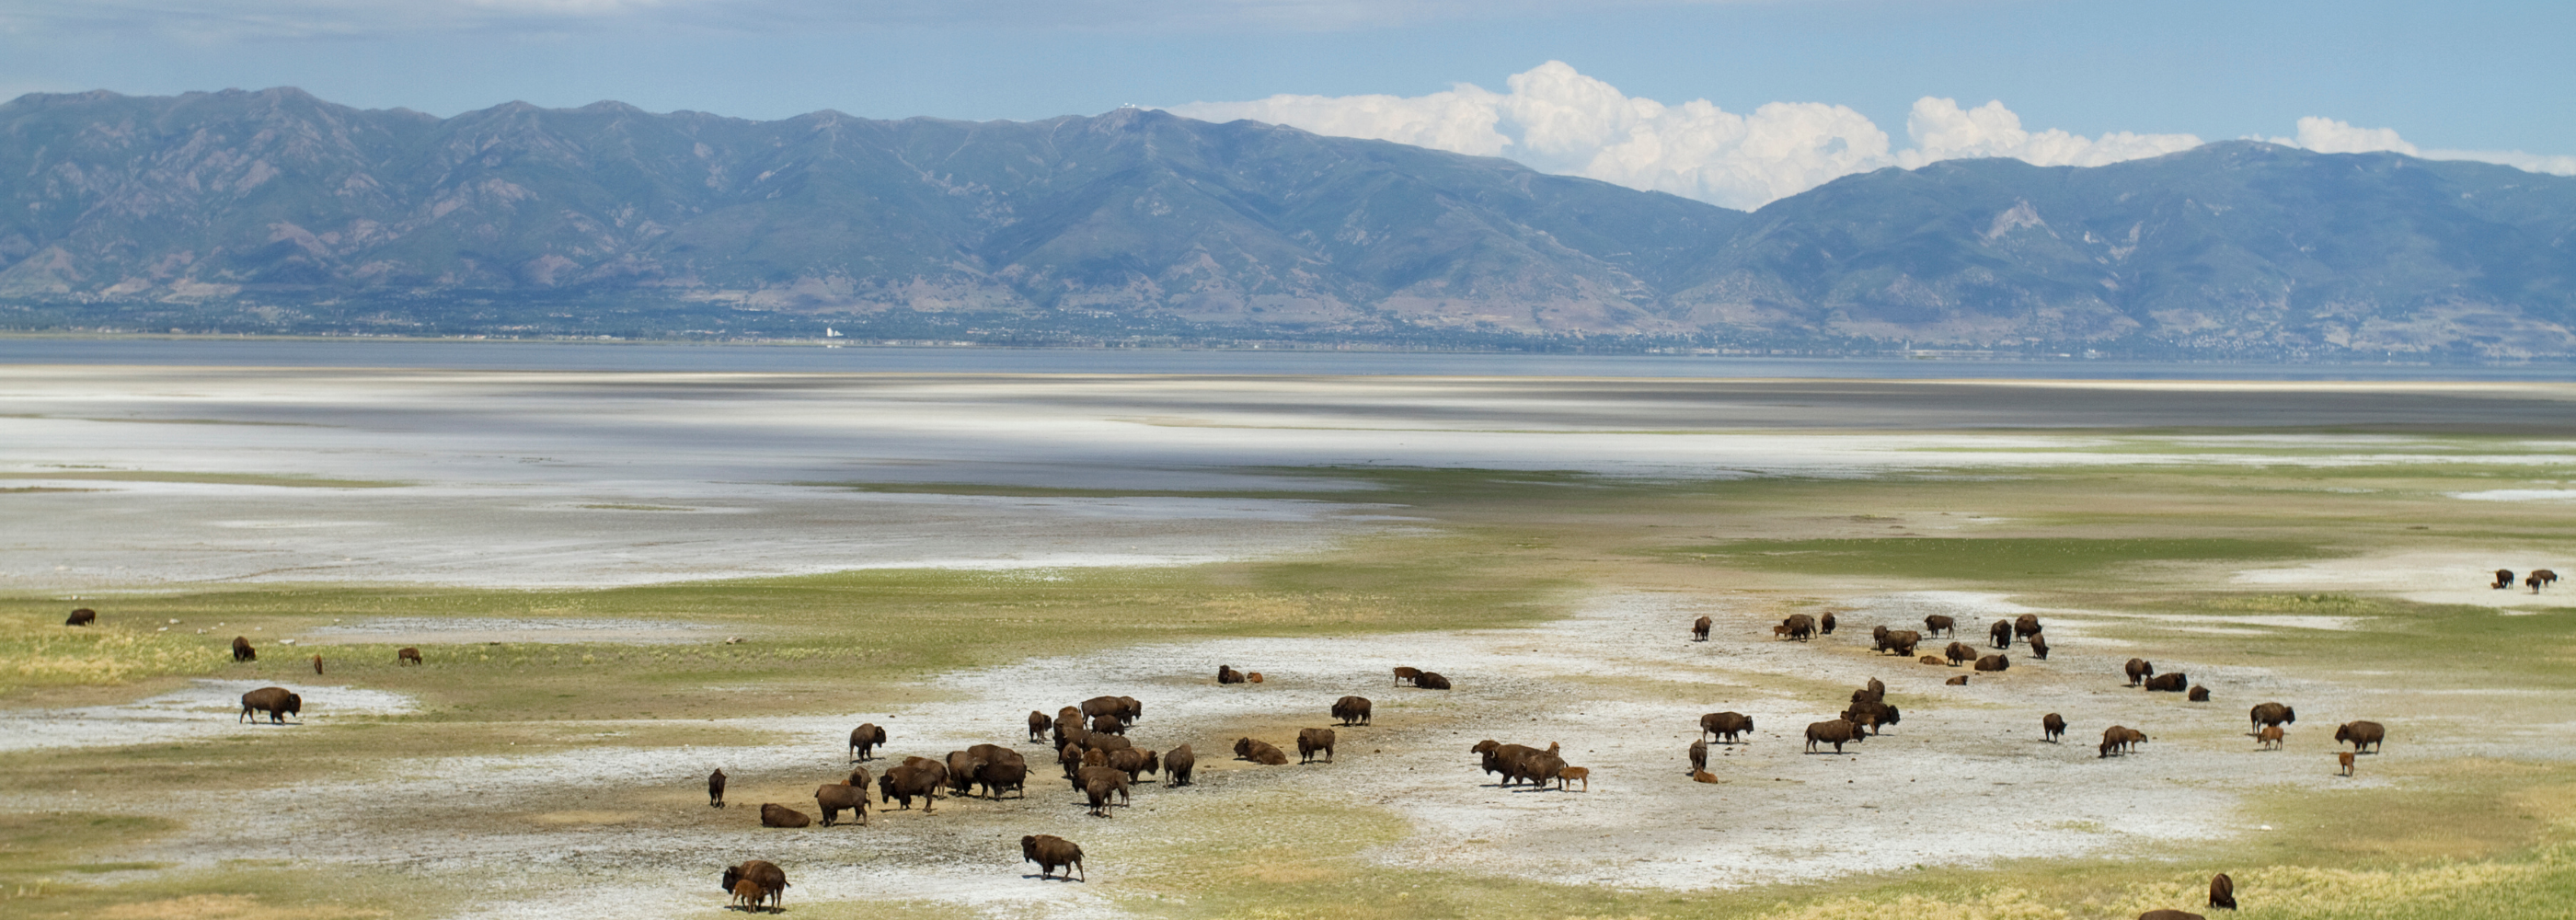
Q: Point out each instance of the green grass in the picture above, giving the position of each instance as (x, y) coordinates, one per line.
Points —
(1986, 559)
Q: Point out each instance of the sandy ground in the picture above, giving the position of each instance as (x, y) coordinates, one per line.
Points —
(613, 830)
(206, 709)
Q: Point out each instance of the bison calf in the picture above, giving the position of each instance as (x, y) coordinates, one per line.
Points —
(2267, 738)
(1260, 752)
(1958, 681)
(406, 655)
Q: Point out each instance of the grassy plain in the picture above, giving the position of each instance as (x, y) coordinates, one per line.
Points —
(2153, 546)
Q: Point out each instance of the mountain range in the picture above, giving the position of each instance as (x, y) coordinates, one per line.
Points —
(276, 211)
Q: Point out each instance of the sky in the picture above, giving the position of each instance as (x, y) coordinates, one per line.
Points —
(1736, 102)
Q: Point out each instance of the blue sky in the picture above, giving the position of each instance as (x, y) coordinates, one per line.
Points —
(2465, 76)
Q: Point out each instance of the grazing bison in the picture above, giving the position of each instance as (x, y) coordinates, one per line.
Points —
(2541, 578)
(1431, 680)
(2503, 579)
(1698, 757)
(2169, 682)
(773, 814)
(2222, 891)
(1825, 624)
(2039, 647)
(864, 740)
(1135, 763)
(2000, 634)
(1994, 663)
(1051, 852)
(84, 616)
(278, 702)
(715, 789)
(1801, 626)
(2139, 670)
(1226, 674)
(2267, 738)
(2198, 694)
(1957, 681)
(406, 655)
(1959, 653)
(1574, 775)
(1937, 624)
(1039, 723)
(1260, 752)
(1699, 629)
(2272, 714)
(1902, 642)
(2119, 739)
(2365, 736)
(1311, 740)
(1352, 710)
(838, 797)
(1836, 733)
(2344, 758)
(905, 783)
(769, 881)
(1405, 674)
(1178, 763)
(2026, 626)
(242, 651)
(1099, 784)
(2052, 727)
(1725, 726)
(1872, 714)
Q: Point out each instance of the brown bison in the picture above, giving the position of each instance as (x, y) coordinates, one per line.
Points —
(2267, 738)
(1825, 624)
(1836, 733)
(2198, 694)
(1123, 708)
(1260, 752)
(1405, 674)
(84, 616)
(773, 814)
(1878, 636)
(317, 664)
(2222, 891)
(1099, 785)
(1135, 763)
(768, 881)
(1431, 680)
(2364, 736)
(1070, 757)
(838, 797)
(1872, 714)
(2139, 670)
(1039, 723)
(2000, 633)
(1352, 710)
(1537, 767)
(1801, 626)
(278, 702)
(1725, 726)
(1937, 624)
(2120, 739)
(2052, 727)
(242, 651)
(2039, 647)
(864, 740)
(860, 777)
(1107, 742)
(406, 655)
(715, 789)
(2169, 682)
(1226, 674)
(1000, 775)
(1574, 775)
(1178, 764)
(1901, 642)
(1108, 725)
(2026, 626)
(747, 895)
(2503, 579)
(2344, 758)
(1253, 677)
(1931, 659)
(1311, 740)
(1051, 852)
(909, 781)
(2272, 714)
(1959, 653)
(2540, 578)
(1699, 629)
(1957, 681)
(1698, 757)
(1994, 663)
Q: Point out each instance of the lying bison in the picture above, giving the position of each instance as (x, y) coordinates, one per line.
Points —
(769, 883)
(839, 797)
(1837, 733)
(1725, 726)
(1226, 674)
(84, 616)
(2169, 682)
(1258, 751)
(278, 702)
(1051, 852)
(864, 740)
(2364, 736)
(1178, 763)
(1352, 710)
(1957, 681)
(773, 814)
(1431, 680)
(2198, 694)
(1993, 663)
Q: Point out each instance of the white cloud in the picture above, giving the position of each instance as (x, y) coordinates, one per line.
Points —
(1558, 120)
(2327, 135)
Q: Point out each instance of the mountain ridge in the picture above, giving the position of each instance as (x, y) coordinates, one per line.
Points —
(273, 210)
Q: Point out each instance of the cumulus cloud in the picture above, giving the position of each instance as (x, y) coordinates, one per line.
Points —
(1557, 120)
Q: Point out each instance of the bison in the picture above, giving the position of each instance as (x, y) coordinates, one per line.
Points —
(864, 740)
(1405, 674)
(1959, 653)
(2540, 578)
(904, 783)
(715, 789)
(2026, 626)
(1574, 774)
(1937, 624)
(2139, 670)
(2222, 891)
(83, 616)
(1957, 681)
(765, 876)
(2039, 647)
(1178, 764)
(1099, 784)
(1837, 733)
(838, 797)
(1226, 674)
(2503, 579)
(1994, 663)
(1699, 629)
(1901, 642)
(278, 702)
(1801, 626)
(1134, 763)
(1878, 636)
(1825, 624)
(1872, 714)
(1431, 680)
(1352, 710)
(2364, 736)
(242, 651)
(1106, 724)
(406, 655)
(1260, 752)
(1039, 723)
(2052, 727)
(1003, 774)
(1698, 757)
(773, 814)
(2272, 714)
(1931, 659)
(2198, 694)
(2169, 682)
(2267, 738)
(1051, 852)
(2344, 758)
(2119, 739)
(2000, 633)
(1311, 740)
(1725, 726)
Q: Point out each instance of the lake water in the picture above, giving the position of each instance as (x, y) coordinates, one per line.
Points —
(611, 356)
